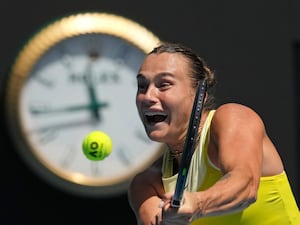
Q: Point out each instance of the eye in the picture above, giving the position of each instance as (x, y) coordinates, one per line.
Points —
(164, 85)
(142, 85)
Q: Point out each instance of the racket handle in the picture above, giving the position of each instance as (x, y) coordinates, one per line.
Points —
(175, 203)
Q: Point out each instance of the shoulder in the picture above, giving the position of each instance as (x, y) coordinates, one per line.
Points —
(233, 127)
(149, 178)
(145, 184)
(235, 116)
(236, 111)
(150, 173)
(234, 107)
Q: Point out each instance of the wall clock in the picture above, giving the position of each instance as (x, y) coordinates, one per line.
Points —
(76, 75)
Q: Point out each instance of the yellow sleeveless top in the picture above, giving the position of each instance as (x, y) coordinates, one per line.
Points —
(275, 204)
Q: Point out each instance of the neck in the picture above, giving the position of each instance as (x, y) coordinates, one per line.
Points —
(177, 151)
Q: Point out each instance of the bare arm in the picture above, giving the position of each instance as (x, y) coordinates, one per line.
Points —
(237, 134)
(236, 147)
(143, 194)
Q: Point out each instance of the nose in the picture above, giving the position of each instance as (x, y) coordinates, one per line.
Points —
(151, 94)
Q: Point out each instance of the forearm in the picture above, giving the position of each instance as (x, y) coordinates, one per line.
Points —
(233, 192)
(149, 211)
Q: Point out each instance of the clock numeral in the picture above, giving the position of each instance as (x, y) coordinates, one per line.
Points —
(37, 109)
(123, 51)
(103, 77)
(44, 81)
(95, 169)
(47, 135)
(68, 157)
(66, 60)
(124, 158)
(109, 77)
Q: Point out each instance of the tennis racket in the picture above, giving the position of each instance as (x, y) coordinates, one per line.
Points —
(189, 145)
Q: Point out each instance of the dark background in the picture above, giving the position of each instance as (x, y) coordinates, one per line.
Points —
(252, 45)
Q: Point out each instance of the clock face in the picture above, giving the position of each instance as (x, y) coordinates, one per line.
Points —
(82, 83)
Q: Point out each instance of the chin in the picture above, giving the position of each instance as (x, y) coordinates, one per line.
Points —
(156, 136)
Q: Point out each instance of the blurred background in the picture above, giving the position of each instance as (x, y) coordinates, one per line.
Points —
(253, 46)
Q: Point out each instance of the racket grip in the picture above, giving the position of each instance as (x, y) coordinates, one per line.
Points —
(177, 198)
(175, 203)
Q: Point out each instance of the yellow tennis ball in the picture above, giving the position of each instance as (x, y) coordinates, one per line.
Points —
(97, 145)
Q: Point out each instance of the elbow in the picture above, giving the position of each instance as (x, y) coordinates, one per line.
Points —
(249, 201)
(246, 202)
(248, 194)
(252, 194)
(252, 198)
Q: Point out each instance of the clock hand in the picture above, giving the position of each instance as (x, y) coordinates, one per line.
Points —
(91, 92)
(45, 110)
(47, 130)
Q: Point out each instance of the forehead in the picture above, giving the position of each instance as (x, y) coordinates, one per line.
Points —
(173, 63)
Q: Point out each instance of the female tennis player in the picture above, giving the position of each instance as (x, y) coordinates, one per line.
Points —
(236, 175)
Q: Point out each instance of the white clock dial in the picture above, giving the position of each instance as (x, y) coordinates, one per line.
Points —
(82, 82)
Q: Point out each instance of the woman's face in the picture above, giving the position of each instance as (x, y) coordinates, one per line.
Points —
(165, 97)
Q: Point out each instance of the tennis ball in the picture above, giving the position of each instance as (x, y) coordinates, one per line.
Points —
(97, 145)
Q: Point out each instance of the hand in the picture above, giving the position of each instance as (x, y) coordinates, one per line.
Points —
(183, 215)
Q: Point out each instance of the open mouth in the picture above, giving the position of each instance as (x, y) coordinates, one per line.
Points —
(155, 117)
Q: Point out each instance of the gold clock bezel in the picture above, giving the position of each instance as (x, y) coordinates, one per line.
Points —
(62, 29)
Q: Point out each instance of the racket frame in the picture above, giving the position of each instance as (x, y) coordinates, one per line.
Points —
(189, 145)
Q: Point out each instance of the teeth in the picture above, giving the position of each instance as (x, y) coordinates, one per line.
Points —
(152, 113)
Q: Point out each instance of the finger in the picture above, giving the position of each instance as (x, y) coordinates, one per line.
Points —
(161, 204)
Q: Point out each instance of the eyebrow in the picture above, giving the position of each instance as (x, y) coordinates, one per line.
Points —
(160, 75)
